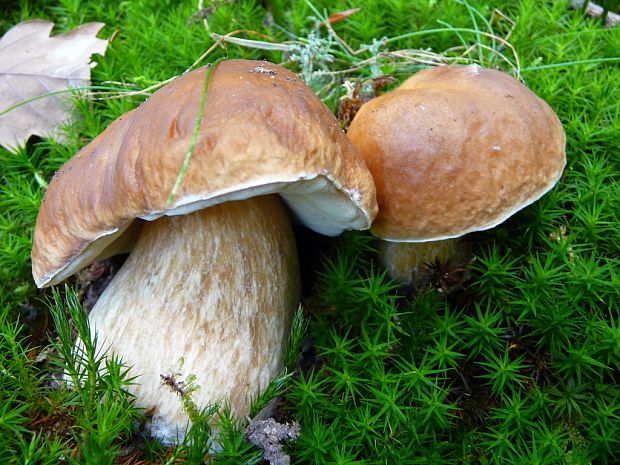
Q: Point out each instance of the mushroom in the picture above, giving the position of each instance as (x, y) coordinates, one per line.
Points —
(209, 288)
(453, 150)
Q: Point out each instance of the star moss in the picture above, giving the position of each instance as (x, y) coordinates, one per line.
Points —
(513, 361)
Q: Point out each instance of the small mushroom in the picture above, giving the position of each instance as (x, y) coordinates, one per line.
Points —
(208, 290)
(453, 150)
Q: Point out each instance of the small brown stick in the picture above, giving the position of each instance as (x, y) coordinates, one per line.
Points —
(340, 16)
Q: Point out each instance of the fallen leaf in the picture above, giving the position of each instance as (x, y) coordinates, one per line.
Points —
(33, 64)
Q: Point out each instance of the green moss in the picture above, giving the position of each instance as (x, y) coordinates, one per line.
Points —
(520, 366)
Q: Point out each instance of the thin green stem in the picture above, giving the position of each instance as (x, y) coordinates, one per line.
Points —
(572, 63)
(58, 92)
(192, 144)
(475, 23)
(436, 30)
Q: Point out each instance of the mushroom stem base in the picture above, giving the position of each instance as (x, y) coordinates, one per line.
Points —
(405, 260)
(201, 309)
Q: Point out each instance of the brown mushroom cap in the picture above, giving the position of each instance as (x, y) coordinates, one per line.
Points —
(263, 131)
(457, 149)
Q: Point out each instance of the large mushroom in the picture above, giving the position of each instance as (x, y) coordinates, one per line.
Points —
(453, 150)
(208, 290)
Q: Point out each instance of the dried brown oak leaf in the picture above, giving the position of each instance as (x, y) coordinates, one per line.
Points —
(33, 64)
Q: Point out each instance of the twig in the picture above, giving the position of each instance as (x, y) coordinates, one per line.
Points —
(205, 22)
(259, 44)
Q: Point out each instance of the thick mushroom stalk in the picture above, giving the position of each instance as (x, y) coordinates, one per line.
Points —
(405, 261)
(206, 296)
(210, 296)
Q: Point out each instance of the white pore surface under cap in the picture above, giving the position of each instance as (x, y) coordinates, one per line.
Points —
(317, 201)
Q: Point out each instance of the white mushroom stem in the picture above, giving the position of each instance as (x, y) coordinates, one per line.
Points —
(404, 261)
(208, 298)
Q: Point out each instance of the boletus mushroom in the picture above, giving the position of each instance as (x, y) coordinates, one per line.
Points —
(213, 277)
(453, 150)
